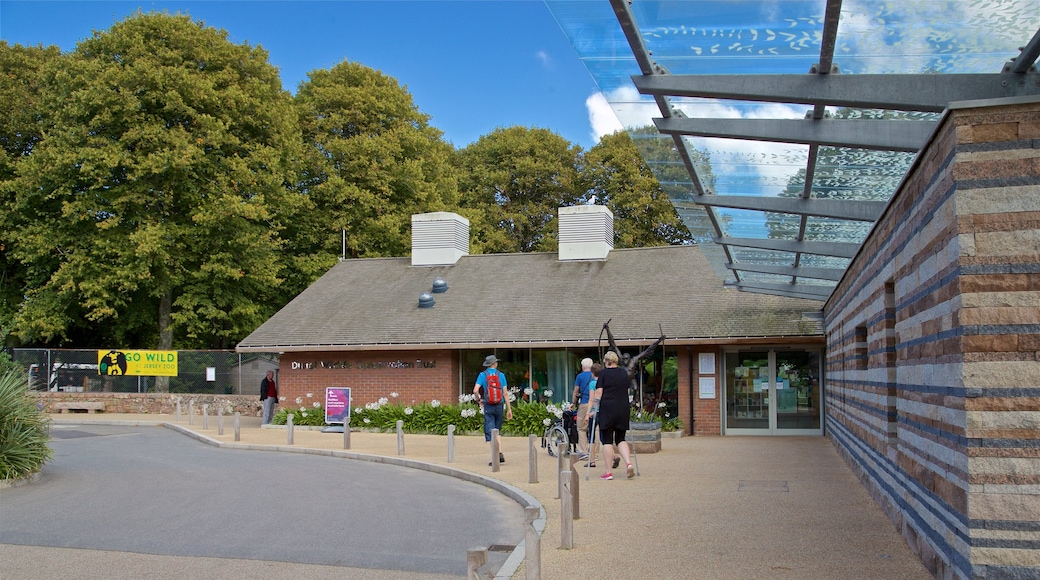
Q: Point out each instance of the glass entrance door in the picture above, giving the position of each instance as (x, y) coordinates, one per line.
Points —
(772, 392)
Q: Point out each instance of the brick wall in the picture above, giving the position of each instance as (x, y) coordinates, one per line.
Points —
(416, 376)
(937, 408)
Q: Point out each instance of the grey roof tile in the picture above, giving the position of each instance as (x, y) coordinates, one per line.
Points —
(530, 298)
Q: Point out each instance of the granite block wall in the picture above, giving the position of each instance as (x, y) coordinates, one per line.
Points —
(934, 348)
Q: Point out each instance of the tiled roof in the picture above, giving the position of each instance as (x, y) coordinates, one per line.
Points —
(528, 299)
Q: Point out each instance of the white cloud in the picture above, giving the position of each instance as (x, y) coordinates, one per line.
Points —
(543, 57)
(601, 116)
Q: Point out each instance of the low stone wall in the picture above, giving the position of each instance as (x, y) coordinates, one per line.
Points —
(154, 403)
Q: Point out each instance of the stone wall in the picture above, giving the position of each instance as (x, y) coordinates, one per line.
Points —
(154, 403)
(933, 361)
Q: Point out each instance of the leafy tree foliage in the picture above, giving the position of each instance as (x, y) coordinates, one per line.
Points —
(149, 199)
(21, 128)
(372, 161)
(619, 178)
(512, 182)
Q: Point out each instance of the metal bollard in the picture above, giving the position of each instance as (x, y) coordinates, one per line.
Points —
(191, 411)
(238, 429)
(289, 429)
(560, 462)
(475, 558)
(532, 545)
(346, 433)
(451, 444)
(532, 459)
(178, 409)
(400, 437)
(566, 514)
(205, 417)
(220, 420)
(575, 494)
(494, 450)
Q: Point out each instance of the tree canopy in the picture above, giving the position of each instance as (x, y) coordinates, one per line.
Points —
(371, 161)
(159, 189)
(148, 200)
(512, 181)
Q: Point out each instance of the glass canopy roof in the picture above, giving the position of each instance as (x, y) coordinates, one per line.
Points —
(768, 123)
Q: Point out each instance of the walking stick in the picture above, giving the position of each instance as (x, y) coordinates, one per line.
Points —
(592, 448)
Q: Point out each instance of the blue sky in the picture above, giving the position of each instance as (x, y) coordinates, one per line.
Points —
(472, 65)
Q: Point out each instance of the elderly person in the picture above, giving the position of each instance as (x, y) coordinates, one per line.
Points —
(611, 399)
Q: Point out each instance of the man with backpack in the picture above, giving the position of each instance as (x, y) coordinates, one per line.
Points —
(490, 391)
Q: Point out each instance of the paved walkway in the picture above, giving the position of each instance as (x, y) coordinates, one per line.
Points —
(704, 507)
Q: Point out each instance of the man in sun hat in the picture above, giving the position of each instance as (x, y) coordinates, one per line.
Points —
(491, 379)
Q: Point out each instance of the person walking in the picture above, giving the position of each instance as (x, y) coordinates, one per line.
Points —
(268, 396)
(581, 403)
(492, 396)
(611, 398)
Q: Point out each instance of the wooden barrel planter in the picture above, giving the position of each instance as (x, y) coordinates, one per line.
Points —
(645, 437)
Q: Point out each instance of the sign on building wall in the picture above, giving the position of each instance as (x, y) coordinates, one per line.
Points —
(142, 363)
(337, 405)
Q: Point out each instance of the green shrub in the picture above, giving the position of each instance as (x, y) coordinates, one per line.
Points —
(24, 429)
(432, 417)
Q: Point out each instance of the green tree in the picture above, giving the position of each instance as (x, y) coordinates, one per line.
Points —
(614, 172)
(151, 198)
(21, 128)
(513, 181)
(371, 161)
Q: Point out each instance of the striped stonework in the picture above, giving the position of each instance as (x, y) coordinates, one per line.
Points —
(933, 361)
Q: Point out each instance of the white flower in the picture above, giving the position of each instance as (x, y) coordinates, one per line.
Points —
(528, 391)
(302, 408)
(367, 420)
(661, 405)
(316, 404)
(546, 422)
(435, 403)
(310, 396)
(371, 406)
(548, 393)
(408, 411)
(383, 401)
(559, 413)
(281, 398)
(394, 394)
(299, 400)
(304, 413)
(357, 410)
(666, 415)
(512, 397)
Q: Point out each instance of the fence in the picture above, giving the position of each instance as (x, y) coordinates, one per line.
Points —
(218, 372)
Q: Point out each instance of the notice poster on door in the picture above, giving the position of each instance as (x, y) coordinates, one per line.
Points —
(707, 387)
(337, 405)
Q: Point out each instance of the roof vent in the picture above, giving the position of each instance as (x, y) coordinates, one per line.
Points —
(426, 300)
(439, 238)
(586, 232)
(440, 286)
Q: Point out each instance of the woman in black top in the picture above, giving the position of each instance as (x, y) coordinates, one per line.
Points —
(611, 399)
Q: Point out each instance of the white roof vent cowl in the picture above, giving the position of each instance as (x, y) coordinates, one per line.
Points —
(439, 238)
(586, 232)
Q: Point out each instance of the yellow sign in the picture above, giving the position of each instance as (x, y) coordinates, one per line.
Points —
(140, 363)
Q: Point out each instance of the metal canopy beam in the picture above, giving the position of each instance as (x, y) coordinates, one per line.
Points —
(832, 274)
(1026, 61)
(922, 92)
(882, 135)
(835, 249)
(864, 211)
(790, 290)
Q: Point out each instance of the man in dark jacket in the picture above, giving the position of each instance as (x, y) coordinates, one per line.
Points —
(268, 396)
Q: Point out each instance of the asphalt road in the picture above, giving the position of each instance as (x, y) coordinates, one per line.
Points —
(149, 490)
